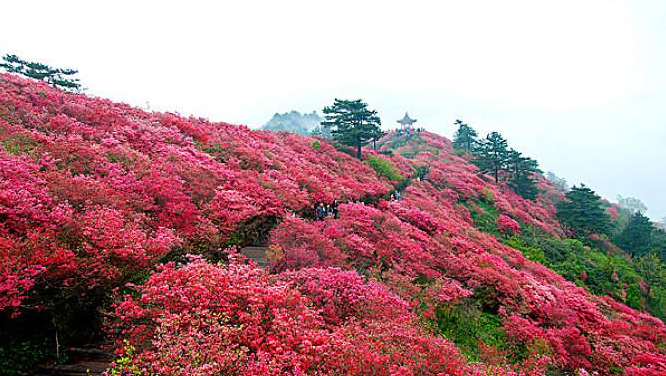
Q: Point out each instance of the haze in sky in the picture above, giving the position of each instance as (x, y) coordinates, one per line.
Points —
(579, 85)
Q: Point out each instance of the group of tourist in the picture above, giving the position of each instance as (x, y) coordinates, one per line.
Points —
(409, 131)
(322, 211)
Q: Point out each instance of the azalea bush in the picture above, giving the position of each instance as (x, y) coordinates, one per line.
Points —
(205, 319)
(507, 224)
(97, 196)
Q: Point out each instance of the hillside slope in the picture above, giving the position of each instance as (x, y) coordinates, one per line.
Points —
(95, 194)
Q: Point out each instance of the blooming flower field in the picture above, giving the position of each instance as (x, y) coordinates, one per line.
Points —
(95, 195)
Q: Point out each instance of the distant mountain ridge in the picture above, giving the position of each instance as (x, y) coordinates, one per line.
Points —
(294, 122)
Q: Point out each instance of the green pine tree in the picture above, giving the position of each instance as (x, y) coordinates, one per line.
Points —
(523, 183)
(637, 236)
(465, 137)
(352, 123)
(521, 171)
(57, 77)
(583, 212)
(658, 245)
(492, 155)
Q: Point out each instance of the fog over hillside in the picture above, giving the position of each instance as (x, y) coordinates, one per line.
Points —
(294, 122)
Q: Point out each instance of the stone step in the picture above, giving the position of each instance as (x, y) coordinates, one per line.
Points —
(76, 369)
(82, 361)
(257, 254)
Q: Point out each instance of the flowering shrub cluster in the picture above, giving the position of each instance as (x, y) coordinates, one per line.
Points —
(414, 239)
(205, 319)
(507, 224)
(94, 194)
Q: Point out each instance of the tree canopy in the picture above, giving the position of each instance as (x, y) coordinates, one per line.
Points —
(352, 123)
(637, 236)
(465, 137)
(62, 78)
(583, 212)
(492, 154)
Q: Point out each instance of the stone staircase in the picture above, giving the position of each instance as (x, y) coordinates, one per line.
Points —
(82, 361)
(257, 254)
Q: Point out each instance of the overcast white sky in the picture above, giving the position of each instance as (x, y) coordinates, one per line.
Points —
(580, 85)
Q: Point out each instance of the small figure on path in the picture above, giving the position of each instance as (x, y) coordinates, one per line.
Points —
(320, 213)
(334, 208)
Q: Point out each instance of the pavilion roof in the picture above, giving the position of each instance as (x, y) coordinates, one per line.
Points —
(406, 119)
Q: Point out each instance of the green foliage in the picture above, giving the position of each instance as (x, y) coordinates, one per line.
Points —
(25, 341)
(316, 145)
(535, 254)
(457, 152)
(343, 149)
(352, 123)
(523, 184)
(522, 170)
(484, 217)
(633, 298)
(658, 244)
(56, 77)
(465, 137)
(384, 168)
(583, 212)
(18, 144)
(19, 356)
(123, 365)
(637, 236)
(600, 272)
(467, 325)
(492, 154)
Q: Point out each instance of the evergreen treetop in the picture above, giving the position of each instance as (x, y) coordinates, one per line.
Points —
(352, 123)
(492, 154)
(637, 236)
(57, 77)
(583, 212)
(465, 137)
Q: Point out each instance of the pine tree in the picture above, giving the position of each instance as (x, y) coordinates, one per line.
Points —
(352, 123)
(465, 137)
(523, 184)
(56, 77)
(583, 212)
(658, 244)
(521, 171)
(492, 155)
(637, 236)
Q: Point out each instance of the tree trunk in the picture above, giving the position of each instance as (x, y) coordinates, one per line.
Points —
(358, 150)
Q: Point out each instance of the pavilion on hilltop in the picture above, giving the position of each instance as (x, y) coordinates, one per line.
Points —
(406, 122)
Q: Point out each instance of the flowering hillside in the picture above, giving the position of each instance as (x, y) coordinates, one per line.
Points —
(102, 207)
